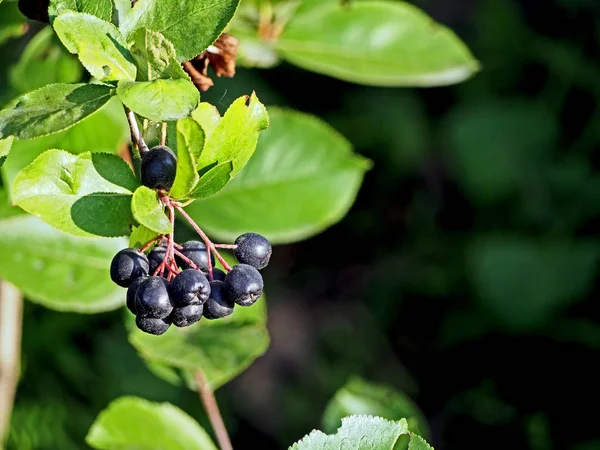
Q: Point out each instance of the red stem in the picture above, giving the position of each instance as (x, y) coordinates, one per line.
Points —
(149, 243)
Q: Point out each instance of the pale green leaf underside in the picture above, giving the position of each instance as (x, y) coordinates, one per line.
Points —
(155, 56)
(302, 178)
(52, 108)
(71, 273)
(99, 45)
(160, 100)
(149, 211)
(99, 8)
(191, 25)
(382, 43)
(135, 423)
(84, 195)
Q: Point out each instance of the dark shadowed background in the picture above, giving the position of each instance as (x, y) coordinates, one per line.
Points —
(465, 275)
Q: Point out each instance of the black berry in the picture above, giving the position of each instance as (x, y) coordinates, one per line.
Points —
(131, 291)
(218, 304)
(152, 298)
(156, 257)
(127, 265)
(218, 274)
(190, 287)
(186, 315)
(196, 252)
(253, 249)
(244, 284)
(153, 326)
(158, 168)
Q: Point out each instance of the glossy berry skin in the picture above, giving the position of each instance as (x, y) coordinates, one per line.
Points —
(127, 265)
(155, 257)
(189, 287)
(152, 298)
(218, 304)
(186, 315)
(218, 274)
(244, 284)
(153, 326)
(196, 252)
(253, 249)
(158, 168)
(131, 291)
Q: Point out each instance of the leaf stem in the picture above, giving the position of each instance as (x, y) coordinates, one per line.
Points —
(163, 134)
(212, 409)
(136, 137)
(11, 319)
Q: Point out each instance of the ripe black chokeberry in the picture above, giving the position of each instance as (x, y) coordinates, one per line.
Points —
(253, 249)
(158, 168)
(155, 257)
(218, 304)
(218, 274)
(196, 252)
(131, 291)
(127, 265)
(152, 298)
(186, 315)
(153, 326)
(244, 284)
(190, 287)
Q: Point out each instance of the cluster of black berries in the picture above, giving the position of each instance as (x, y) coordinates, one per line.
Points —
(183, 299)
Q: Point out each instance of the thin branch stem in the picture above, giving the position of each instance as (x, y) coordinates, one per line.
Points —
(136, 137)
(227, 246)
(11, 318)
(163, 134)
(212, 409)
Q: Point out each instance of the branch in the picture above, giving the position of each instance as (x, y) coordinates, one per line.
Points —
(212, 409)
(11, 318)
(136, 136)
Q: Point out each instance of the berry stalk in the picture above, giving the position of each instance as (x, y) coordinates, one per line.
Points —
(212, 410)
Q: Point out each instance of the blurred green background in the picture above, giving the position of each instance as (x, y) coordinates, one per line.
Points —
(464, 275)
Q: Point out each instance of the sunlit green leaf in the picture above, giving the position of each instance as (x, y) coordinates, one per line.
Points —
(99, 8)
(154, 56)
(190, 141)
(213, 181)
(141, 235)
(149, 211)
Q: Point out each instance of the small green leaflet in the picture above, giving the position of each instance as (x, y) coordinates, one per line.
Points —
(99, 8)
(155, 56)
(191, 25)
(190, 141)
(148, 210)
(100, 46)
(362, 433)
(53, 108)
(5, 146)
(160, 100)
(132, 422)
(141, 235)
(213, 181)
(235, 137)
(87, 194)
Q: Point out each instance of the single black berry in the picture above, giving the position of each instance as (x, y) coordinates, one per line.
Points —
(158, 168)
(127, 265)
(153, 326)
(219, 274)
(190, 287)
(244, 284)
(196, 252)
(253, 249)
(156, 257)
(152, 298)
(186, 315)
(218, 304)
(131, 291)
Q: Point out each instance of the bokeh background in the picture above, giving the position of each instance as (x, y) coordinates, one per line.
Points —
(465, 275)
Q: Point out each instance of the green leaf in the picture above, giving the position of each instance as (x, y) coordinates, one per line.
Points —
(305, 175)
(5, 146)
(160, 100)
(135, 423)
(44, 61)
(140, 236)
(155, 56)
(357, 433)
(12, 22)
(190, 141)
(100, 46)
(71, 273)
(149, 211)
(83, 195)
(418, 443)
(222, 349)
(235, 137)
(53, 108)
(521, 282)
(381, 43)
(99, 8)
(191, 25)
(208, 117)
(359, 397)
(213, 181)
